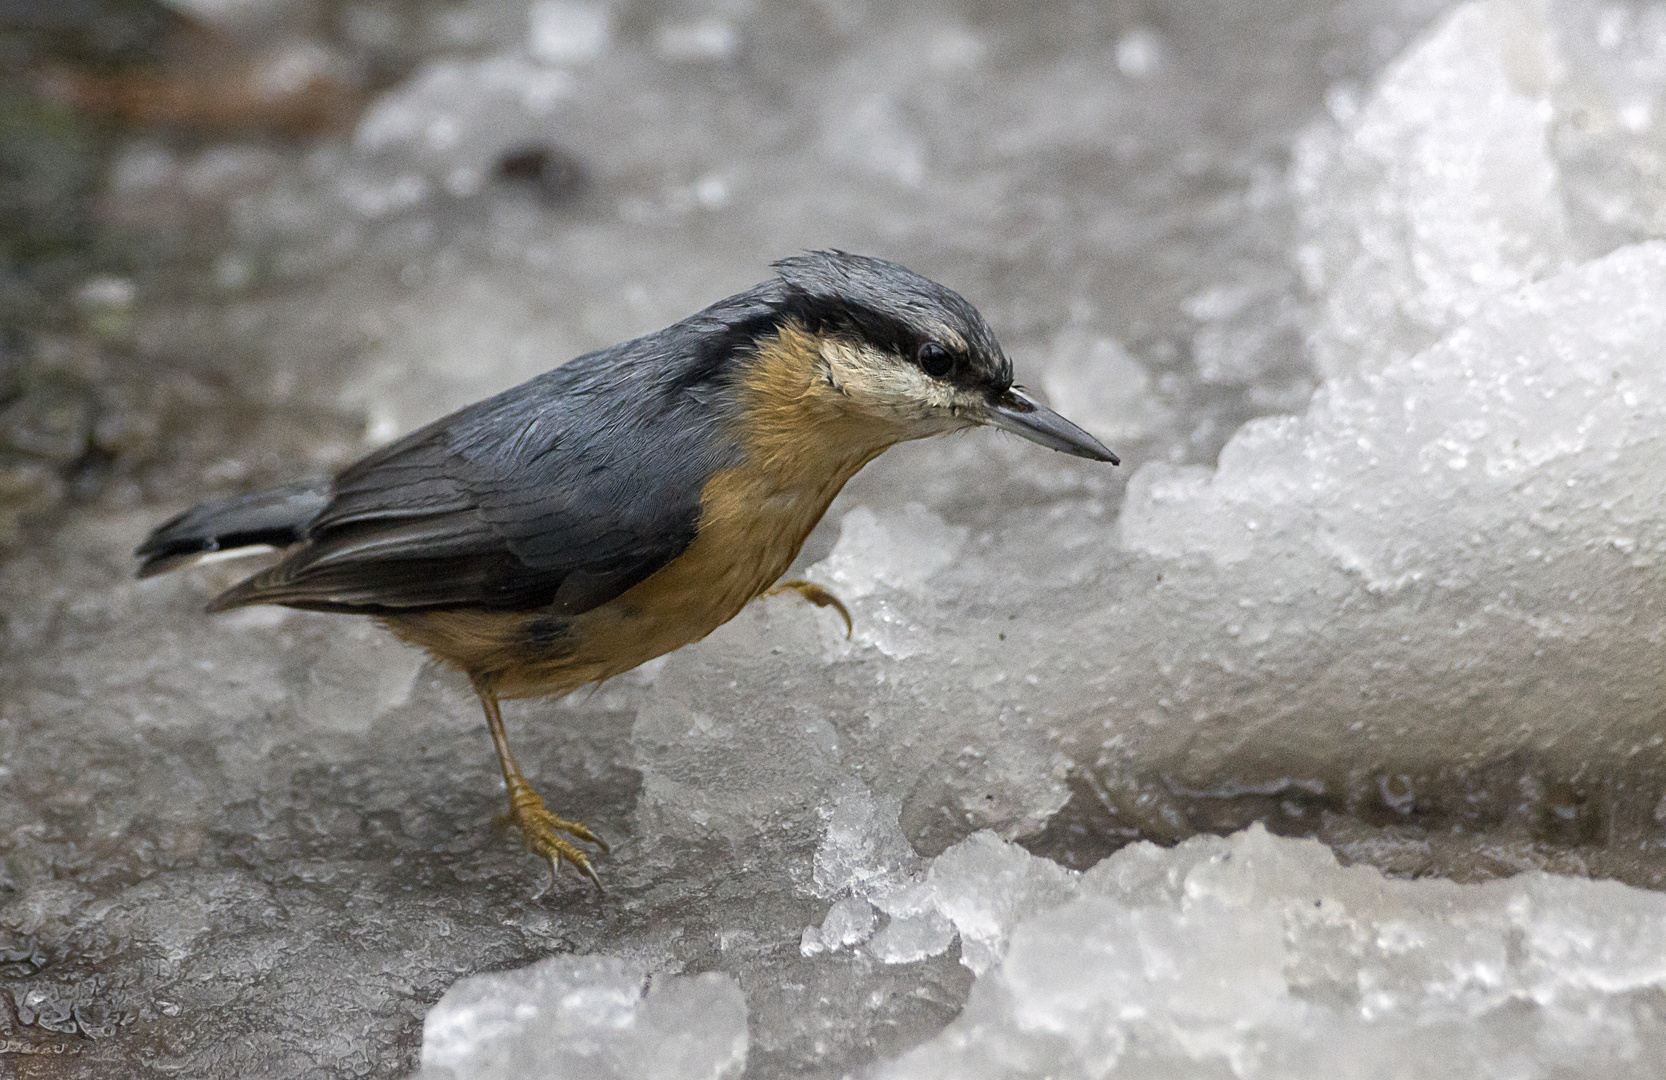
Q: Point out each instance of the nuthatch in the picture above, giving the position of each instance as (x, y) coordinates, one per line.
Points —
(630, 501)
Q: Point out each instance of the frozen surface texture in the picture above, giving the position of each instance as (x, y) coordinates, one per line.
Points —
(586, 1016)
(1460, 554)
(1367, 294)
(1254, 956)
(1515, 137)
(1610, 97)
(1438, 192)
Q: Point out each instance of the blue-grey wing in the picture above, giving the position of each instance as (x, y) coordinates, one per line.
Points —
(564, 491)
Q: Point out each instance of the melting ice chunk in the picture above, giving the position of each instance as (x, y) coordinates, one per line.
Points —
(1493, 497)
(1439, 194)
(587, 1016)
(848, 922)
(900, 551)
(1254, 956)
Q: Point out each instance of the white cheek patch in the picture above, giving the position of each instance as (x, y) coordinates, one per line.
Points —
(884, 383)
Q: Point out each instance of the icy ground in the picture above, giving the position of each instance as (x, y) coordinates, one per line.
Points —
(1410, 618)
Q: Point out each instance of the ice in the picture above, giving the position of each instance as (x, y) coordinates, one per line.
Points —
(1438, 192)
(1094, 381)
(1423, 536)
(910, 936)
(586, 1016)
(1414, 616)
(1139, 52)
(1516, 137)
(849, 922)
(979, 885)
(716, 762)
(1254, 956)
(364, 676)
(873, 555)
(450, 121)
(567, 32)
(862, 848)
(1610, 102)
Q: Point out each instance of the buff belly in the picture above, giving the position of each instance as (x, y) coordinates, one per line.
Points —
(544, 654)
(753, 525)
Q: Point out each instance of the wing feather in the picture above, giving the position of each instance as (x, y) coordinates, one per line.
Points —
(566, 491)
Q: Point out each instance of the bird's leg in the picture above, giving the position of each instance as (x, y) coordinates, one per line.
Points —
(818, 596)
(540, 829)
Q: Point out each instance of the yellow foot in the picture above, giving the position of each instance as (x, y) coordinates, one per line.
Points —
(818, 596)
(541, 832)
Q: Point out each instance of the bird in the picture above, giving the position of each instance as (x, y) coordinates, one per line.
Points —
(631, 500)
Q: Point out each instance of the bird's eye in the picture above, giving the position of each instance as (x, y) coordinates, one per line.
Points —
(934, 360)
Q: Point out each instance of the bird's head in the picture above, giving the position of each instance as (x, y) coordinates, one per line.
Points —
(900, 353)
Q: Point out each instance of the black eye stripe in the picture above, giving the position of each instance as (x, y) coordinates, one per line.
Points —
(846, 318)
(823, 315)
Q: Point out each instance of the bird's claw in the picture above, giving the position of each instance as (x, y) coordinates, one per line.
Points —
(818, 596)
(541, 832)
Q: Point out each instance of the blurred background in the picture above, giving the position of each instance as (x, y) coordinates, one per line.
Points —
(334, 221)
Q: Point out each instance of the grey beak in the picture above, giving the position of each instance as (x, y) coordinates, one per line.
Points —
(1020, 414)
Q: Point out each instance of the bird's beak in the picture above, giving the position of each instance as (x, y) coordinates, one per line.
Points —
(1022, 415)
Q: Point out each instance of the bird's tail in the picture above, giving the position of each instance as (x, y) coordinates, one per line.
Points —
(276, 518)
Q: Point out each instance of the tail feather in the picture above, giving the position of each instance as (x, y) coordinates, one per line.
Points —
(277, 518)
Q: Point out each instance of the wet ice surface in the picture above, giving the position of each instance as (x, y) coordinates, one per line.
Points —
(591, 1016)
(1416, 618)
(1252, 956)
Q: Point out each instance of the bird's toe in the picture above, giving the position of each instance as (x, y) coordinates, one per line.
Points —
(541, 832)
(816, 595)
